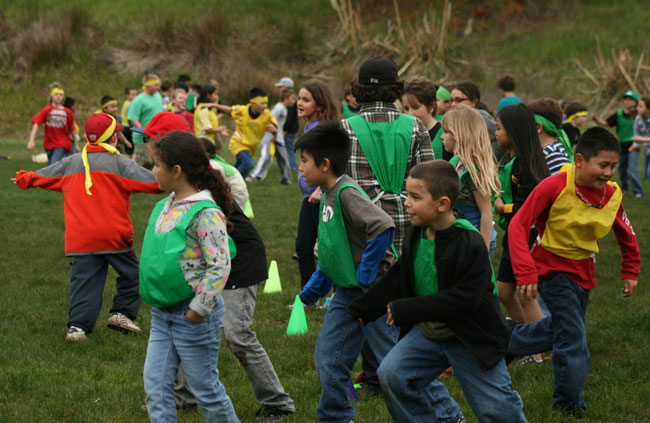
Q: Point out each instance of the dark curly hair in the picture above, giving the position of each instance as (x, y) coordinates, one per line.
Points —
(369, 93)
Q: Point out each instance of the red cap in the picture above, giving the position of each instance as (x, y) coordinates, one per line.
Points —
(97, 125)
(164, 123)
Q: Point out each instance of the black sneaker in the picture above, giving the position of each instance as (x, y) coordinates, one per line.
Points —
(268, 413)
(568, 409)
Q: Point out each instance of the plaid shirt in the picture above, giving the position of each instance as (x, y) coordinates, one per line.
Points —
(359, 168)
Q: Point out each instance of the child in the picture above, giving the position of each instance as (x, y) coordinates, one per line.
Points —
(507, 87)
(206, 122)
(110, 107)
(465, 135)
(440, 294)
(555, 143)
(59, 126)
(252, 121)
(166, 88)
(177, 105)
(185, 266)
(69, 103)
(129, 95)
(316, 103)
(269, 147)
(577, 116)
(144, 107)
(91, 193)
(521, 171)
(642, 131)
(623, 120)
(419, 100)
(237, 184)
(350, 107)
(190, 104)
(291, 124)
(571, 210)
(443, 101)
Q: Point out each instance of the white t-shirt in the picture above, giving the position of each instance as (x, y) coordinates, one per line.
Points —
(279, 111)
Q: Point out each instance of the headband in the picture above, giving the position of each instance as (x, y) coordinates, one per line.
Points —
(151, 82)
(56, 90)
(575, 115)
(443, 94)
(550, 128)
(259, 99)
(108, 103)
(100, 141)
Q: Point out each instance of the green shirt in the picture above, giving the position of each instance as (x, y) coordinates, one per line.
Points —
(143, 109)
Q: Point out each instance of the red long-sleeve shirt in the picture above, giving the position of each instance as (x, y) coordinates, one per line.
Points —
(98, 223)
(528, 265)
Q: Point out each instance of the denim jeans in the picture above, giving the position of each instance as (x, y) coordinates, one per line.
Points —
(564, 331)
(628, 170)
(646, 164)
(244, 163)
(174, 339)
(289, 140)
(416, 360)
(337, 349)
(55, 155)
(306, 239)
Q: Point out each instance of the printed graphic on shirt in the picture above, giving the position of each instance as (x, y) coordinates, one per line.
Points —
(328, 213)
(56, 118)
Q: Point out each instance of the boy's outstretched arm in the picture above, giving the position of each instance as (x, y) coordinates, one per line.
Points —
(223, 108)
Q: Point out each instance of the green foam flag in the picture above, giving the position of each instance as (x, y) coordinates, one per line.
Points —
(298, 320)
(248, 209)
(272, 284)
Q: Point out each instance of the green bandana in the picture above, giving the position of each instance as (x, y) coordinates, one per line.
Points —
(443, 94)
(551, 129)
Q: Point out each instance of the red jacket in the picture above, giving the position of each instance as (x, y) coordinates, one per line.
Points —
(98, 222)
(527, 265)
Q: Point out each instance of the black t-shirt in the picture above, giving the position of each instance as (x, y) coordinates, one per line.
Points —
(572, 132)
(249, 265)
(291, 124)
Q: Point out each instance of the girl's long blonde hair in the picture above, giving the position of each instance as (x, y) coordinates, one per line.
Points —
(473, 147)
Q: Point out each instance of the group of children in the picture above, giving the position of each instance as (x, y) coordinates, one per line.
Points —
(405, 241)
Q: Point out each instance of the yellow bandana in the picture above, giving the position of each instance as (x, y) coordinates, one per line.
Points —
(108, 133)
(259, 99)
(56, 90)
(575, 115)
(151, 83)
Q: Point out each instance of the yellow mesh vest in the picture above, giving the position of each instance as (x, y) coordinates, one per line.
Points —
(573, 227)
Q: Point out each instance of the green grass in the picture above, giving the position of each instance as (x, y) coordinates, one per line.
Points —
(44, 378)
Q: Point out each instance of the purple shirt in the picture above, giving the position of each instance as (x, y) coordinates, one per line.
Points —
(306, 189)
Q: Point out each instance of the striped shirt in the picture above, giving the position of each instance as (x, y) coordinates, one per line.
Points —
(556, 156)
(359, 168)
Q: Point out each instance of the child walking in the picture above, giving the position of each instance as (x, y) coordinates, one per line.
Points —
(440, 294)
(97, 185)
(59, 126)
(642, 132)
(316, 103)
(572, 210)
(419, 100)
(523, 168)
(185, 265)
(206, 122)
(466, 136)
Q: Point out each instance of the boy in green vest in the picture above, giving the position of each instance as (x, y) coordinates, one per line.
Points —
(628, 162)
(441, 294)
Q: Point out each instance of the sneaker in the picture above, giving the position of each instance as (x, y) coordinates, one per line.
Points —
(568, 409)
(120, 322)
(75, 334)
(528, 359)
(268, 413)
(638, 195)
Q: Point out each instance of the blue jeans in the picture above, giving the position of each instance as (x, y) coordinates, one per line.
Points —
(289, 140)
(337, 349)
(416, 360)
(55, 155)
(564, 331)
(628, 170)
(174, 339)
(244, 163)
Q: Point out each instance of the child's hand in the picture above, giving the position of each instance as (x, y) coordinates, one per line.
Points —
(194, 317)
(30, 145)
(629, 285)
(389, 313)
(271, 128)
(315, 196)
(528, 292)
(223, 130)
(633, 147)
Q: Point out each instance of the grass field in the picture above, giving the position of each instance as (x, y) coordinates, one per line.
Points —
(45, 379)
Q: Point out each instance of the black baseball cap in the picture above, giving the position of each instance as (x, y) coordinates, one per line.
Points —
(378, 70)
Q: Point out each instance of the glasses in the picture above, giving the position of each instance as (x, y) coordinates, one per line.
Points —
(459, 99)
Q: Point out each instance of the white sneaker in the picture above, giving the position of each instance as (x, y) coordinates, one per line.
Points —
(75, 334)
(118, 321)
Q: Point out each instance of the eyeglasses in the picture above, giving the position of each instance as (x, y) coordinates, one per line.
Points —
(459, 99)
